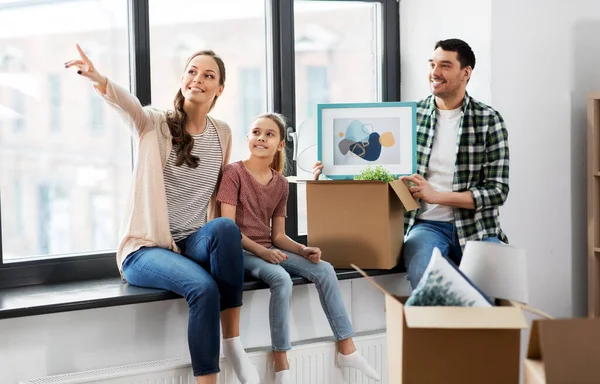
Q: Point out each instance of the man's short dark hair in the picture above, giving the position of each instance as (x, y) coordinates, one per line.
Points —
(464, 53)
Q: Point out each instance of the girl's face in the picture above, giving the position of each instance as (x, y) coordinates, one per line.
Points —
(200, 82)
(264, 139)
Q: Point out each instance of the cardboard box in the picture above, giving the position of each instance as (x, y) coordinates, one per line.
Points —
(452, 345)
(565, 351)
(358, 222)
(533, 371)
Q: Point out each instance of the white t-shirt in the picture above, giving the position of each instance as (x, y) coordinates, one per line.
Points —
(440, 172)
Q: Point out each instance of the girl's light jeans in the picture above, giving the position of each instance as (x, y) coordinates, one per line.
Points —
(277, 276)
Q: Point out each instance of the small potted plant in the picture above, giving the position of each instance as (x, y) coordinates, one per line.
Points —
(377, 173)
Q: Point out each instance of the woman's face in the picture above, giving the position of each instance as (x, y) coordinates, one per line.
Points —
(201, 81)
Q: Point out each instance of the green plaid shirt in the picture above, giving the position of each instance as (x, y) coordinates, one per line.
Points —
(481, 166)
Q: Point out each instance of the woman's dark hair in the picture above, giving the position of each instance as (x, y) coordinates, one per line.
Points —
(177, 118)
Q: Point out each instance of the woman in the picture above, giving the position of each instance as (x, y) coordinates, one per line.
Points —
(168, 238)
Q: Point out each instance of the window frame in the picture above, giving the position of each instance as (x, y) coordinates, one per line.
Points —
(280, 25)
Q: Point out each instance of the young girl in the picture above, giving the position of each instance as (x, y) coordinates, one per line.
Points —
(168, 240)
(254, 193)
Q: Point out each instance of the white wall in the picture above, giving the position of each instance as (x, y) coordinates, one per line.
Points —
(536, 61)
(545, 57)
(424, 22)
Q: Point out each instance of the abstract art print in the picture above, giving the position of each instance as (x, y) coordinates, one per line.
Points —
(362, 139)
(354, 136)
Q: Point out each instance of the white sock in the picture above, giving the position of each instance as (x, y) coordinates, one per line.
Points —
(283, 377)
(356, 360)
(243, 367)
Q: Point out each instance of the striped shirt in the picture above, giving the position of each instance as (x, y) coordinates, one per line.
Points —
(189, 189)
(481, 166)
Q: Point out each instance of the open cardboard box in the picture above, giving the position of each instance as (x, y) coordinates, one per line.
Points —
(563, 351)
(357, 221)
(452, 345)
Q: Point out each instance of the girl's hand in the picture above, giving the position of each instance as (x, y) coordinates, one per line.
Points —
(87, 69)
(317, 169)
(311, 253)
(274, 256)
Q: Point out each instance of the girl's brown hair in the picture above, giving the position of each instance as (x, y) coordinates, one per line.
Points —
(279, 161)
(177, 118)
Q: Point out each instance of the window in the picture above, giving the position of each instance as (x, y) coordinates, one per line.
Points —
(55, 100)
(12, 80)
(235, 30)
(54, 221)
(44, 218)
(335, 62)
(51, 175)
(66, 158)
(102, 222)
(18, 107)
(251, 102)
(96, 113)
(317, 86)
(18, 207)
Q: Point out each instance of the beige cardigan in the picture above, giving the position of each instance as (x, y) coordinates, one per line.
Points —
(146, 220)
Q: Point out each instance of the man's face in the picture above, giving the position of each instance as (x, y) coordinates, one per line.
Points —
(446, 78)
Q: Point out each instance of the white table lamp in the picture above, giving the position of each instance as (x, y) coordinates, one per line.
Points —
(499, 270)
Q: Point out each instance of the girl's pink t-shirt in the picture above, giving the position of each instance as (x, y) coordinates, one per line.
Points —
(256, 204)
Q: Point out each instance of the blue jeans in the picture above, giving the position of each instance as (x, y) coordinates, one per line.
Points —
(209, 274)
(277, 276)
(423, 237)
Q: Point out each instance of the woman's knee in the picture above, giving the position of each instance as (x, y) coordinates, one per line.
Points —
(226, 229)
(227, 237)
(204, 292)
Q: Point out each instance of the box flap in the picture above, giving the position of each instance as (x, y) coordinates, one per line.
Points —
(465, 317)
(408, 201)
(533, 350)
(534, 372)
(372, 281)
(570, 350)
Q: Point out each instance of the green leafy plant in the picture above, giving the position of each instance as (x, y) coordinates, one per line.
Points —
(377, 173)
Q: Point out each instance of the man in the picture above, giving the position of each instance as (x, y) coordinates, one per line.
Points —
(462, 165)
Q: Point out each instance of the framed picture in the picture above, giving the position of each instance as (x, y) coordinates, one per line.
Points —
(353, 136)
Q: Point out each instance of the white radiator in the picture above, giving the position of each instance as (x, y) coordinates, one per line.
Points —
(311, 363)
